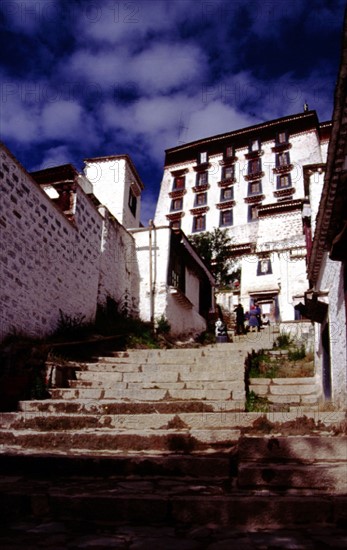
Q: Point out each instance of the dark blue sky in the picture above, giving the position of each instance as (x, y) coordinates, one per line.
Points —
(86, 78)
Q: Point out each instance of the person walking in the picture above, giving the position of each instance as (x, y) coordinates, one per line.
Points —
(253, 320)
(240, 319)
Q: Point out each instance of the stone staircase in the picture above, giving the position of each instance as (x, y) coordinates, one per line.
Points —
(157, 436)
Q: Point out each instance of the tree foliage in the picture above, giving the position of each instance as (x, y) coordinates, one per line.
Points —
(214, 249)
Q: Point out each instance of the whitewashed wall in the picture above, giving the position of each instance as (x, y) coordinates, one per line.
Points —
(111, 180)
(331, 280)
(48, 263)
(183, 320)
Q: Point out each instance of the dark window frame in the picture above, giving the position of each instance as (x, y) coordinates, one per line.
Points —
(176, 209)
(282, 176)
(198, 196)
(132, 202)
(260, 269)
(199, 176)
(224, 213)
(176, 180)
(196, 221)
(224, 190)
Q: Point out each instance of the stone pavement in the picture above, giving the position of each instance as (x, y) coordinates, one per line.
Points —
(33, 534)
(165, 466)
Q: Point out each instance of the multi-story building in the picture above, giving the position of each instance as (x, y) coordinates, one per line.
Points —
(251, 182)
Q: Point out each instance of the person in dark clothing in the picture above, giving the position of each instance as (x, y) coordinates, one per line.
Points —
(258, 315)
(240, 319)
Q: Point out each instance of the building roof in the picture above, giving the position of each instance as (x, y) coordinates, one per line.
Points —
(331, 218)
(55, 174)
(240, 138)
(118, 157)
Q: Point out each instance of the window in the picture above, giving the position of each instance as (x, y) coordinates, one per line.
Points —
(200, 199)
(282, 159)
(254, 166)
(229, 151)
(202, 157)
(284, 181)
(227, 194)
(254, 145)
(228, 172)
(201, 178)
(179, 182)
(254, 188)
(253, 212)
(199, 223)
(264, 267)
(132, 202)
(176, 204)
(281, 138)
(226, 218)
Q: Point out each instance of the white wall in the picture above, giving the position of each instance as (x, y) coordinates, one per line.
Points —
(49, 263)
(184, 320)
(111, 180)
(331, 280)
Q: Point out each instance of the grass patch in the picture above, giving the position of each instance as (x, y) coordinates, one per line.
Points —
(255, 403)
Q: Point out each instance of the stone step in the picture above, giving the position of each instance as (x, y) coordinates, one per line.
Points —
(142, 394)
(301, 449)
(205, 466)
(209, 371)
(157, 377)
(172, 356)
(87, 406)
(166, 501)
(193, 385)
(117, 441)
(329, 477)
(54, 422)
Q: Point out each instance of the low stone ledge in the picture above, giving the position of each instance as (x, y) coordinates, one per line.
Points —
(260, 381)
(259, 389)
(290, 381)
(294, 389)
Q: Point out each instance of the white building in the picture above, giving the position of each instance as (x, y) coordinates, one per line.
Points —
(117, 185)
(251, 182)
(67, 249)
(174, 281)
(326, 300)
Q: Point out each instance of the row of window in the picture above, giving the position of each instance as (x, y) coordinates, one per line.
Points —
(227, 193)
(225, 219)
(228, 172)
(283, 180)
(253, 147)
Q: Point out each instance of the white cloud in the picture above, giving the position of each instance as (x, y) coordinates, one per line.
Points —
(113, 23)
(54, 157)
(160, 68)
(62, 120)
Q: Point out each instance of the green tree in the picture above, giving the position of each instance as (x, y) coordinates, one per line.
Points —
(214, 249)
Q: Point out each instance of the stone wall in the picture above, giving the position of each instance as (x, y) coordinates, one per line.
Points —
(288, 391)
(302, 332)
(331, 277)
(49, 263)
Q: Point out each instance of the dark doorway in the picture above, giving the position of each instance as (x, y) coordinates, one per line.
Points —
(326, 362)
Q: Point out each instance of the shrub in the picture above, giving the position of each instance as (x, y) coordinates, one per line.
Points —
(297, 353)
(163, 325)
(254, 403)
(283, 341)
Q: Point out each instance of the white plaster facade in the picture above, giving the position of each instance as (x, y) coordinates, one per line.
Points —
(326, 300)
(229, 191)
(116, 184)
(71, 254)
(160, 292)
